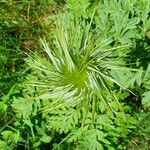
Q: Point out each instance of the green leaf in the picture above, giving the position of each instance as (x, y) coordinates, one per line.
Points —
(23, 106)
(3, 107)
(10, 137)
(146, 98)
(4, 146)
(78, 7)
(45, 138)
(68, 117)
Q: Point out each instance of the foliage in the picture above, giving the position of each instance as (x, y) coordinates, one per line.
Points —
(20, 23)
(89, 89)
(139, 138)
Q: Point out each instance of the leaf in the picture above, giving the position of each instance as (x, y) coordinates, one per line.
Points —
(146, 98)
(45, 138)
(10, 136)
(4, 146)
(23, 106)
(68, 117)
(92, 139)
(3, 107)
(78, 7)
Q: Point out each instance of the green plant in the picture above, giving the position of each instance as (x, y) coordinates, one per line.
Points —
(83, 91)
(80, 65)
(20, 23)
(74, 86)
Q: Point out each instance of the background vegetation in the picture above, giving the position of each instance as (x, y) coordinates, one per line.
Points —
(74, 74)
